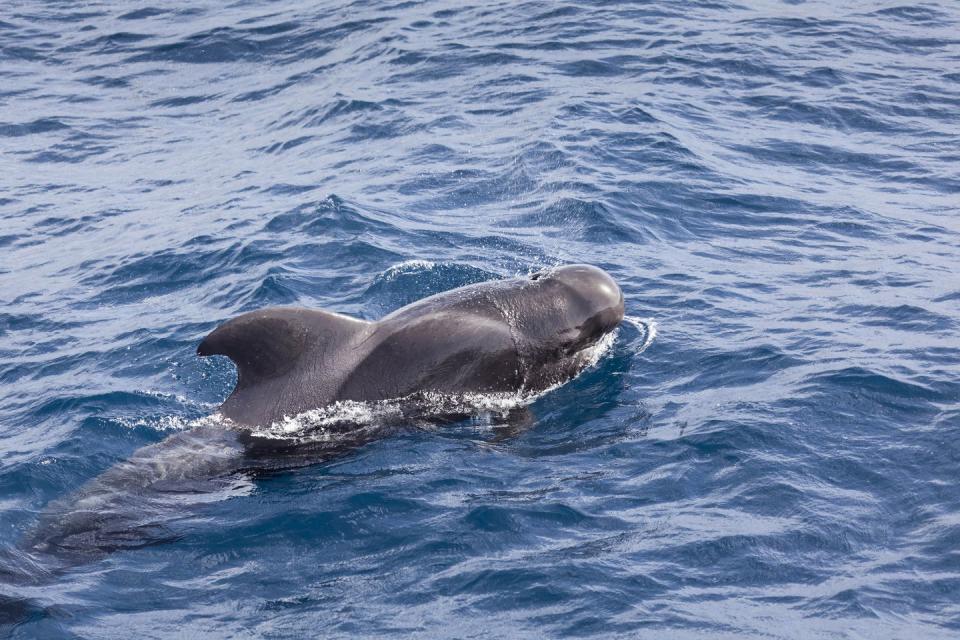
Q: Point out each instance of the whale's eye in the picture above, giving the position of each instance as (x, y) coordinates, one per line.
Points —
(537, 275)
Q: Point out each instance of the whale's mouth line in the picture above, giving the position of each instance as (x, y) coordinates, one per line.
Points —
(587, 342)
(596, 349)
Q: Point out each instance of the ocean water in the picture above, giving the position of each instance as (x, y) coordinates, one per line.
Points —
(775, 186)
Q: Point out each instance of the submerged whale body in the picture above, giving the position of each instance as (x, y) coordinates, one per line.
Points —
(519, 335)
(522, 334)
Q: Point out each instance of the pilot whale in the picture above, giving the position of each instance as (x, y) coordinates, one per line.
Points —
(521, 334)
(516, 335)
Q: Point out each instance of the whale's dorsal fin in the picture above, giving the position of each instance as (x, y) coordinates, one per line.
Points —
(267, 343)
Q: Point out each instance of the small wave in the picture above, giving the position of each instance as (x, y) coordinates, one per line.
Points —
(412, 280)
(407, 266)
(647, 328)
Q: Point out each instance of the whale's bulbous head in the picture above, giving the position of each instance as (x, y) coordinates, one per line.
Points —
(574, 306)
(596, 301)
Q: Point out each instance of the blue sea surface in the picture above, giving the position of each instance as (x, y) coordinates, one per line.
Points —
(775, 186)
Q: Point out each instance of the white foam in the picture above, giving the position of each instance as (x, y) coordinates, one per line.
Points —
(175, 423)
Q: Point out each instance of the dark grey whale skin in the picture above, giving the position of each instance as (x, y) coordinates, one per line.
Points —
(507, 335)
(521, 334)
